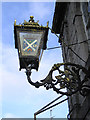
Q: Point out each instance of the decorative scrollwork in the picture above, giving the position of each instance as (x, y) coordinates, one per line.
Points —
(67, 82)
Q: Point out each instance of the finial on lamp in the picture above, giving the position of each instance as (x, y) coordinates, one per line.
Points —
(31, 19)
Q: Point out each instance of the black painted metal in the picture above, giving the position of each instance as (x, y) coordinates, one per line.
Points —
(47, 107)
(67, 82)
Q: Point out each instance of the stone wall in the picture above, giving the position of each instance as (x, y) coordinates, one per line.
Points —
(75, 29)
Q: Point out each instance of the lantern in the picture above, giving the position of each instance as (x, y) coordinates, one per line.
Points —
(30, 40)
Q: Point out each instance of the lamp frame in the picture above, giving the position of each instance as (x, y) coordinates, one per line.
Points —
(27, 27)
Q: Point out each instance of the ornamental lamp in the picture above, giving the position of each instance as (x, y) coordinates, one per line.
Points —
(30, 40)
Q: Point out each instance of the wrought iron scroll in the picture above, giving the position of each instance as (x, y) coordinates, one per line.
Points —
(67, 82)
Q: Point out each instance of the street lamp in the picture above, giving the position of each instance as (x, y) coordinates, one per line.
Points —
(30, 40)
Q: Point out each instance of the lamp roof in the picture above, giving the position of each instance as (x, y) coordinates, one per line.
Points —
(28, 26)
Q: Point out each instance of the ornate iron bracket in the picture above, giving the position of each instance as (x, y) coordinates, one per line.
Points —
(67, 82)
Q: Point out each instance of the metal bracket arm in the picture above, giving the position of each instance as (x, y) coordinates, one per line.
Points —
(67, 82)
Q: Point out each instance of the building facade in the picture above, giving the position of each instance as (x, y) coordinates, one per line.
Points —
(72, 21)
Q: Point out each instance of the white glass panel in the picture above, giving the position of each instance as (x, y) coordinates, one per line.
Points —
(30, 43)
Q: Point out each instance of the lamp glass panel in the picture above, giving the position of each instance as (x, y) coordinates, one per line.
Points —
(30, 43)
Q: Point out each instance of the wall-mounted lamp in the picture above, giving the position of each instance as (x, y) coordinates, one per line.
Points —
(31, 40)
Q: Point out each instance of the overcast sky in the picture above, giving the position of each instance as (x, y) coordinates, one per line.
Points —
(20, 99)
